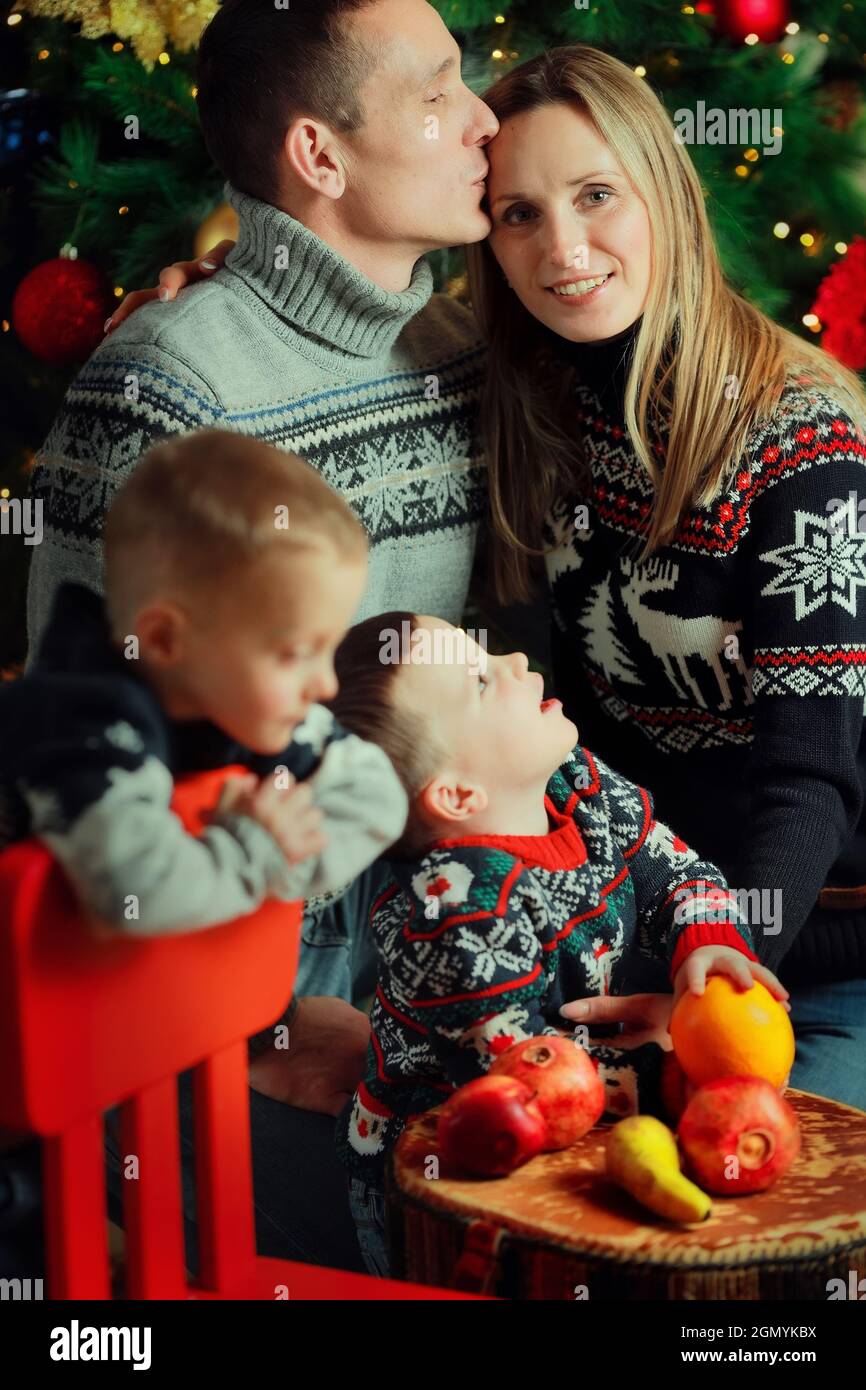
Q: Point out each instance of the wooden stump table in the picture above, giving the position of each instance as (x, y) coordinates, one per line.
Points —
(557, 1228)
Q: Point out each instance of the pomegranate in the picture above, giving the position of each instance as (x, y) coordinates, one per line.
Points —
(738, 1134)
(490, 1127)
(565, 1084)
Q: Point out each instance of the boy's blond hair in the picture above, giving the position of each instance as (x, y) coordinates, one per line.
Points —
(203, 507)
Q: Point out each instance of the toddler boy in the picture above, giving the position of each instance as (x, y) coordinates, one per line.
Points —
(232, 570)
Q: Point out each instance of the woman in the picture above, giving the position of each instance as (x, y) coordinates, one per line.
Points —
(681, 461)
(678, 462)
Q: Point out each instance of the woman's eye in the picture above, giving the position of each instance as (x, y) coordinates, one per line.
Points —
(431, 101)
(510, 216)
(606, 193)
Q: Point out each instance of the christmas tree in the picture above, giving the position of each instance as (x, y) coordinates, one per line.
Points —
(101, 156)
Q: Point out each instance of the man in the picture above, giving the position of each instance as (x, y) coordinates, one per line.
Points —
(351, 147)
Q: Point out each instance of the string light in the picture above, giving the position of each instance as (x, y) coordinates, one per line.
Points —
(841, 247)
(118, 291)
(123, 210)
(116, 47)
(781, 230)
(812, 321)
(640, 70)
(752, 155)
(163, 58)
(751, 40)
(13, 19)
(807, 239)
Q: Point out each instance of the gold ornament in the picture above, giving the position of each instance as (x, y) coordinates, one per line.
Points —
(149, 25)
(219, 225)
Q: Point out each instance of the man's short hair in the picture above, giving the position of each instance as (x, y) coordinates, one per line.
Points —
(260, 65)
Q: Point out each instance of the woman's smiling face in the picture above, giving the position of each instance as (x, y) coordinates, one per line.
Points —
(564, 214)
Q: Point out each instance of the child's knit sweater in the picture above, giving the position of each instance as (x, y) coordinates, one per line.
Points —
(482, 941)
(88, 758)
(728, 672)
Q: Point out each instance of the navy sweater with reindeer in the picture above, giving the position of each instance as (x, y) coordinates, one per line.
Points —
(728, 671)
(480, 942)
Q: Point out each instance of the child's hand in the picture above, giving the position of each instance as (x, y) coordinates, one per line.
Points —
(724, 960)
(287, 813)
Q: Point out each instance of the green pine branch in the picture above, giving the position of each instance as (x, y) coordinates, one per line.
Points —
(161, 100)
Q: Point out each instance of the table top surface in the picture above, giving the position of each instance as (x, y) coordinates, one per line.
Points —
(566, 1199)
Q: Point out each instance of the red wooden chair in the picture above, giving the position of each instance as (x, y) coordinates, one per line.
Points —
(86, 1024)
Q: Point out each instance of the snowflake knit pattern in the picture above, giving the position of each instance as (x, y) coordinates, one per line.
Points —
(728, 671)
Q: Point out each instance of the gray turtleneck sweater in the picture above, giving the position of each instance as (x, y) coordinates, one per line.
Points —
(290, 343)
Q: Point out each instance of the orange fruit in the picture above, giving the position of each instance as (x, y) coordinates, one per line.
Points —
(732, 1032)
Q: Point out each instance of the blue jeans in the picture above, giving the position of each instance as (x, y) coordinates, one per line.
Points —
(830, 1026)
(338, 956)
(367, 1205)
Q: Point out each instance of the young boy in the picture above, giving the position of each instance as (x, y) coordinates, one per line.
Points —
(527, 872)
(232, 571)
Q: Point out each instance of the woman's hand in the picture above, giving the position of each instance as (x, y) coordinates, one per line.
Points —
(724, 960)
(171, 279)
(645, 1017)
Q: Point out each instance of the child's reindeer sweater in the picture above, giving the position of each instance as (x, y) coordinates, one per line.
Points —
(481, 942)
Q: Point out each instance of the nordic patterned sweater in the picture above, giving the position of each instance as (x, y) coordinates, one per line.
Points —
(88, 759)
(291, 344)
(482, 941)
(728, 672)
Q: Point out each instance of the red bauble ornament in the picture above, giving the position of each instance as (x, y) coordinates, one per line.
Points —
(766, 18)
(59, 310)
(841, 307)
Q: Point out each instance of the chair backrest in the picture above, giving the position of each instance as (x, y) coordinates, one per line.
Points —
(87, 1022)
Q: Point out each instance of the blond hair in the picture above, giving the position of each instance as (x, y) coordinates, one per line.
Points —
(203, 507)
(695, 335)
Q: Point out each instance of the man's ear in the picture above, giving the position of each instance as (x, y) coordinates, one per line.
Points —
(313, 155)
(161, 631)
(450, 799)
